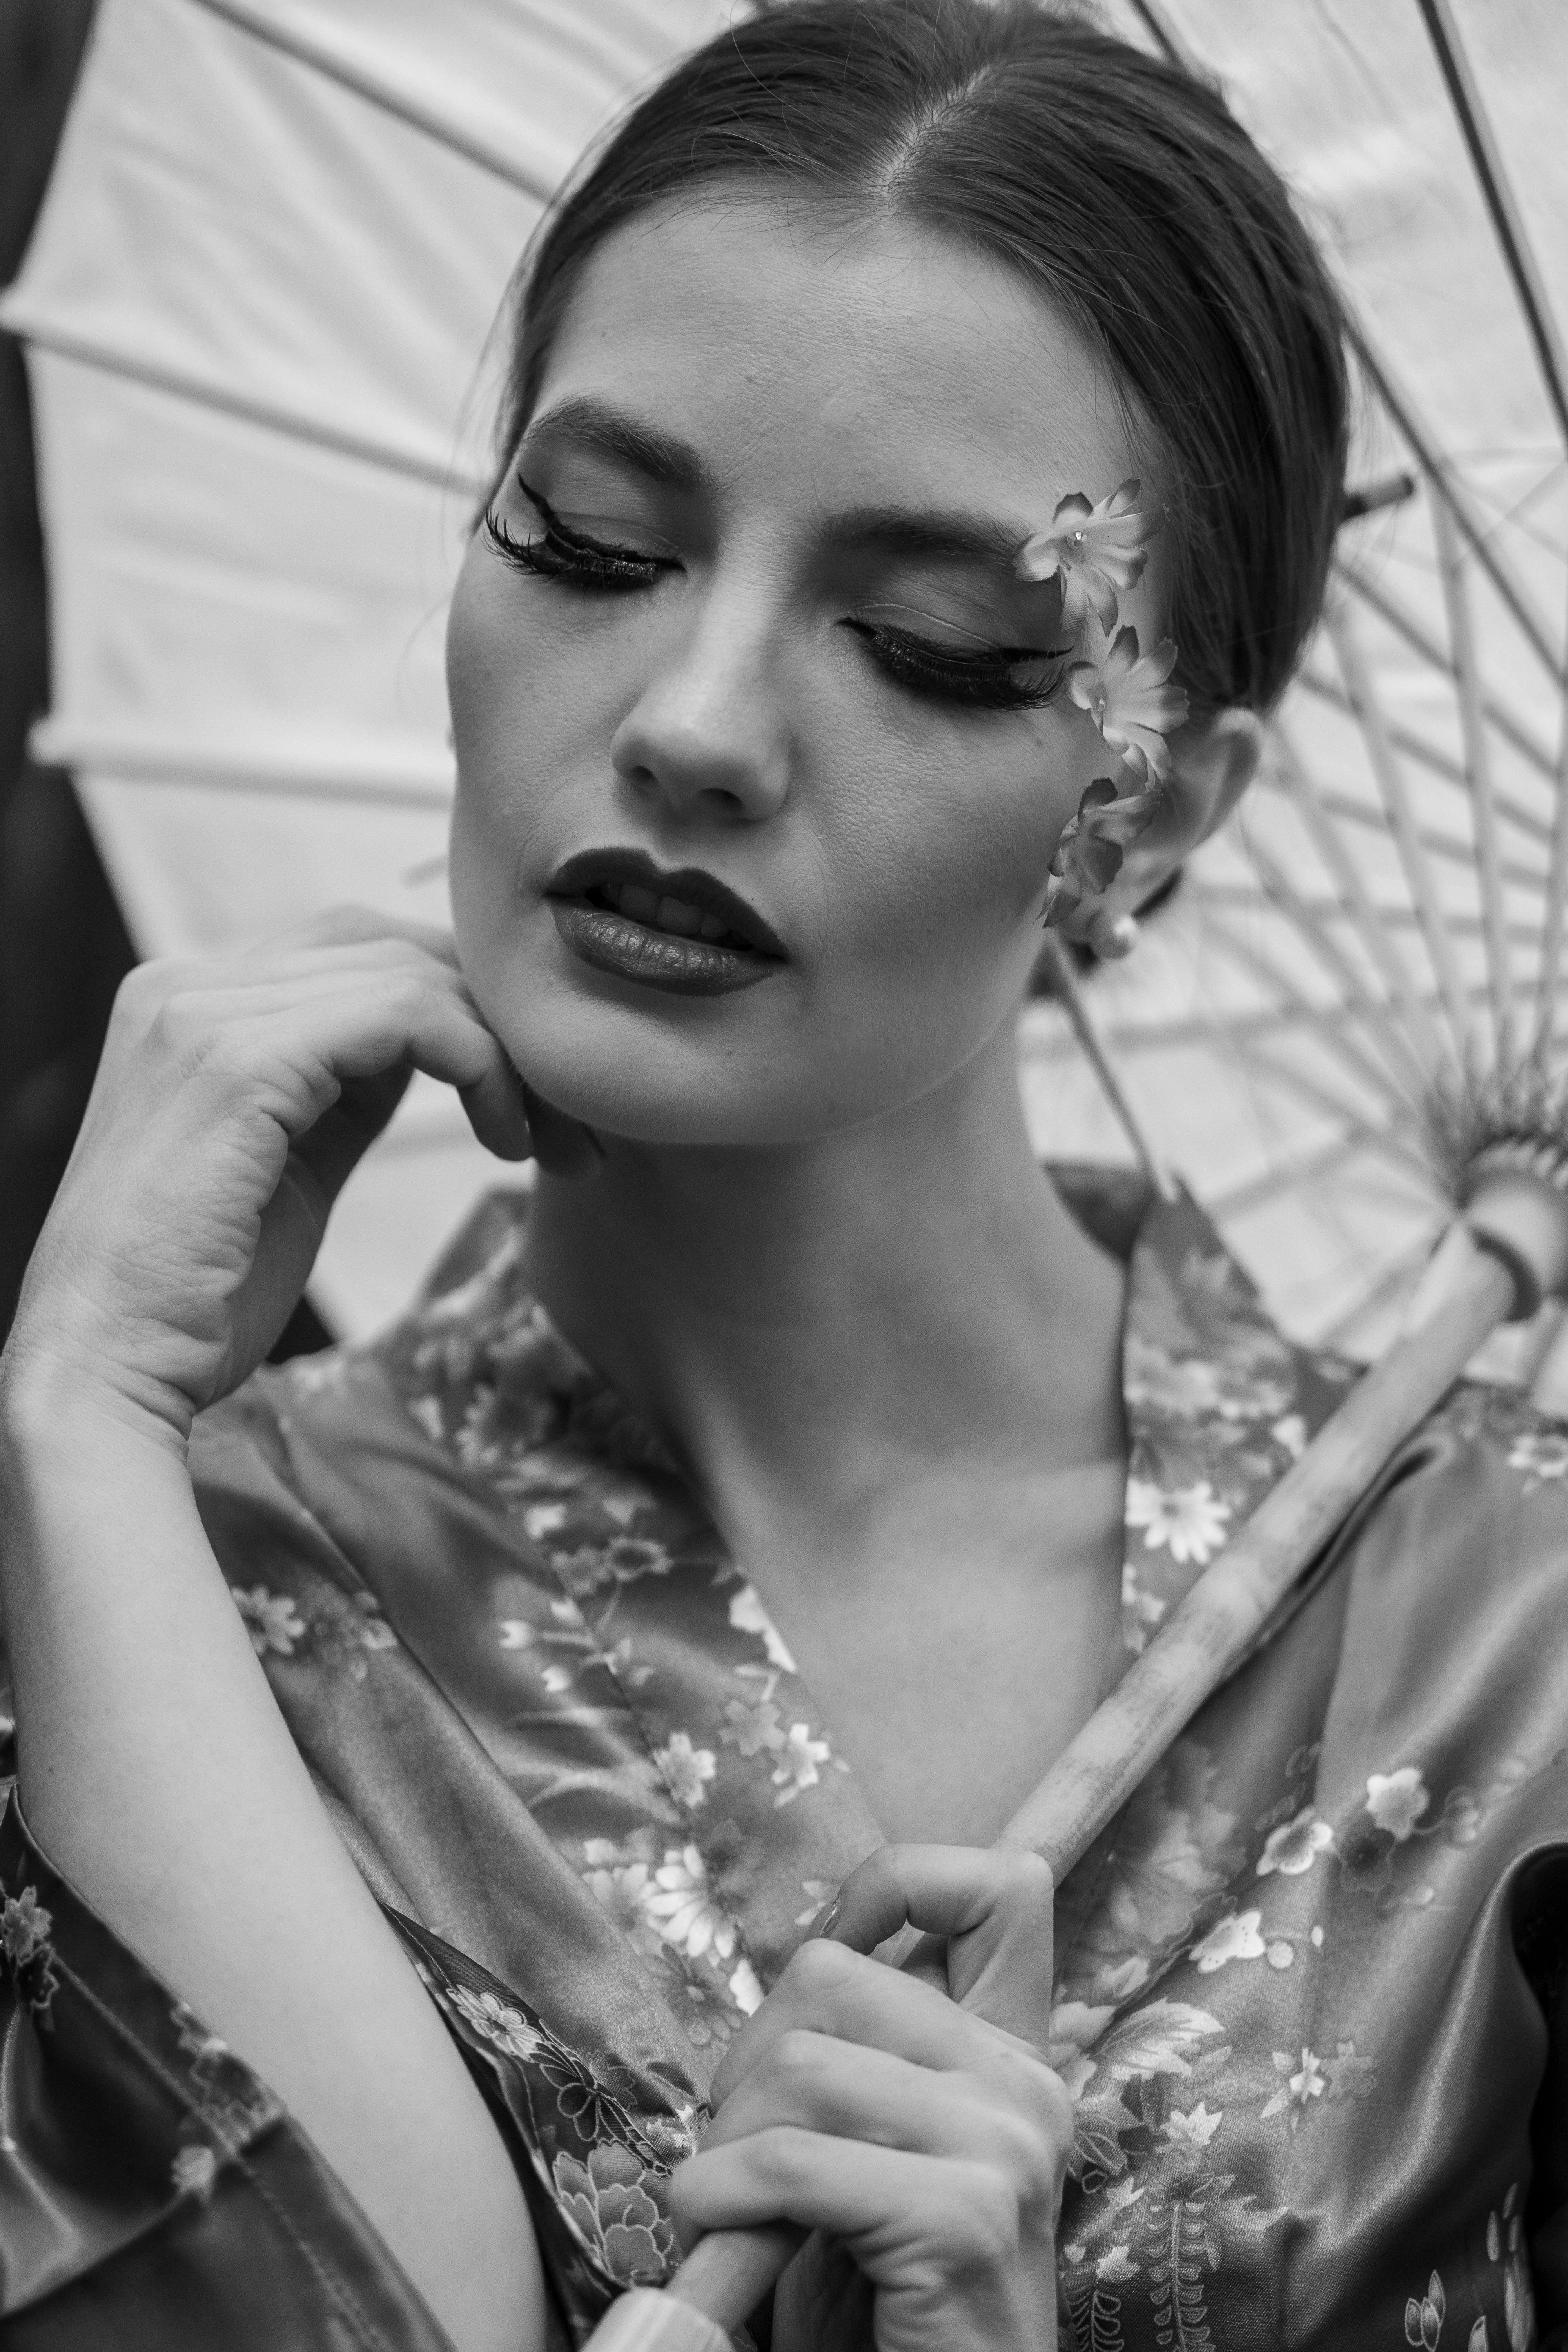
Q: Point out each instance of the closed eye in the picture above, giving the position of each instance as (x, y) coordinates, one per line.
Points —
(572, 557)
(998, 677)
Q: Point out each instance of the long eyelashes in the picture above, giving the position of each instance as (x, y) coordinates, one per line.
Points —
(1013, 678)
(563, 555)
(1004, 677)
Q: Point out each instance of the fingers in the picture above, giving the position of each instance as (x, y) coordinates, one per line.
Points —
(965, 2218)
(827, 1989)
(506, 1115)
(994, 1904)
(815, 2083)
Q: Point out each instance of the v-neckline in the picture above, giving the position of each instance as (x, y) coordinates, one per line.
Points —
(769, 1818)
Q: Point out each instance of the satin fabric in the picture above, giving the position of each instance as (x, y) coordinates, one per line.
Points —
(1310, 1986)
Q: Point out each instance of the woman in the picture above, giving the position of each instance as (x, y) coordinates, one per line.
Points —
(895, 386)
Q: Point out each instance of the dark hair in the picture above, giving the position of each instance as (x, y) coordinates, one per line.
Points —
(1121, 188)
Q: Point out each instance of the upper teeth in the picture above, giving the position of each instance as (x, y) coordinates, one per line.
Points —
(675, 915)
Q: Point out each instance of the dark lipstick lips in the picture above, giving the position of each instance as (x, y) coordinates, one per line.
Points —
(580, 874)
(582, 894)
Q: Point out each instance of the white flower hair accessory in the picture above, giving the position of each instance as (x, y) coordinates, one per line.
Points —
(1099, 552)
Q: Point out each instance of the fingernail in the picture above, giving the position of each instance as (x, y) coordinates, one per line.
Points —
(829, 1919)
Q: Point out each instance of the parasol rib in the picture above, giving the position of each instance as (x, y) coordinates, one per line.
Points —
(1400, 618)
(1400, 405)
(319, 57)
(1319, 1160)
(1556, 901)
(1389, 1281)
(1462, 637)
(1451, 847)
(1430, 756)
(342, 440)
(1353, 999)
(1501, 202)
(1390, 780)
(1238, 896)
(1094, 1053)
(1296, 780)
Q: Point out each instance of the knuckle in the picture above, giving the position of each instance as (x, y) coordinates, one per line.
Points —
(795, 2057)
(781, 2155)
(986, 2220)
(819, 1969)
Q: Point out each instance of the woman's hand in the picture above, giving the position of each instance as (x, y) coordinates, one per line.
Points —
(232, 1102)
(919, 2130)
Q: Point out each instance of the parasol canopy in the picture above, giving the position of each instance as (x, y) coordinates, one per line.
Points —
(257, 308)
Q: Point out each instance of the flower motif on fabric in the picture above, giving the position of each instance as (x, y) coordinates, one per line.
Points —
(621, 1561)
(1233, 1937)
(1294, 1848)
(687, 1770)
(682, 1905)
(194, 2172)
(1541, 1453)
(1190, 1519)
(1424, 2315)
(1506, 2245)
(1193, 2129)
(498, 2022)
(25, 1930)
(1097, 551)
(613, 2203)
(747, 1615)
(1396, 1800)
(1304, 2083)
(272, 1621)
(798, 1762)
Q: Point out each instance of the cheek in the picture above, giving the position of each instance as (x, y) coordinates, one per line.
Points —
(938, 882)
(522, 721)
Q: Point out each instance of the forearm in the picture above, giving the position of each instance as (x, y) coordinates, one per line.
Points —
(159, 1776)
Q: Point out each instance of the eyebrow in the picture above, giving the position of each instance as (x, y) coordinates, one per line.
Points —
(663, 457)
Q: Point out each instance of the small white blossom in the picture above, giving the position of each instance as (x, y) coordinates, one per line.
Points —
(1190, 1519)
(687, 1770)
(499, 2023)
(747, 1615)
(1233, 1937)
(1396, 1800)
(193, 2171)
(683, 1907)
(272, 1619)
(1294, 1848)
(542, 1519)
(744, 1990)
(1541, 1453)
(796, 1768)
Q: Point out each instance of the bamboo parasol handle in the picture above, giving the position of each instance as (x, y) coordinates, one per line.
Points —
(1470, 1285)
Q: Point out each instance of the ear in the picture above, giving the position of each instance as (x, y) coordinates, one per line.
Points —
(1212, 762)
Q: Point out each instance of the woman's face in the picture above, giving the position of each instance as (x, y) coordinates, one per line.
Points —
(763, 750)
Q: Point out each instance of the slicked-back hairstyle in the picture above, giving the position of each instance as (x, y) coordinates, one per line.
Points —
(1120, 187)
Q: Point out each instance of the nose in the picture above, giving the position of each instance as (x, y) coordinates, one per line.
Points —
(707, 734)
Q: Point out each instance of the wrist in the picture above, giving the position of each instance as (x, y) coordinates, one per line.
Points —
(57, 1408)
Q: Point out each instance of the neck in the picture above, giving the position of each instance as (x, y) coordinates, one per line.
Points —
(814, 1317)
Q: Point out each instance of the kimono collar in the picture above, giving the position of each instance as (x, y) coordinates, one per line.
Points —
(1218, 1405)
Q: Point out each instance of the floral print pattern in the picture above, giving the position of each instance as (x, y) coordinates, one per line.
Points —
(576, 1747)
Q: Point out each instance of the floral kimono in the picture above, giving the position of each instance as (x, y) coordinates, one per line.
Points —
(1311, 1984)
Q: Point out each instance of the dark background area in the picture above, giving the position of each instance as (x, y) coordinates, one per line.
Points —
(64, 947)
